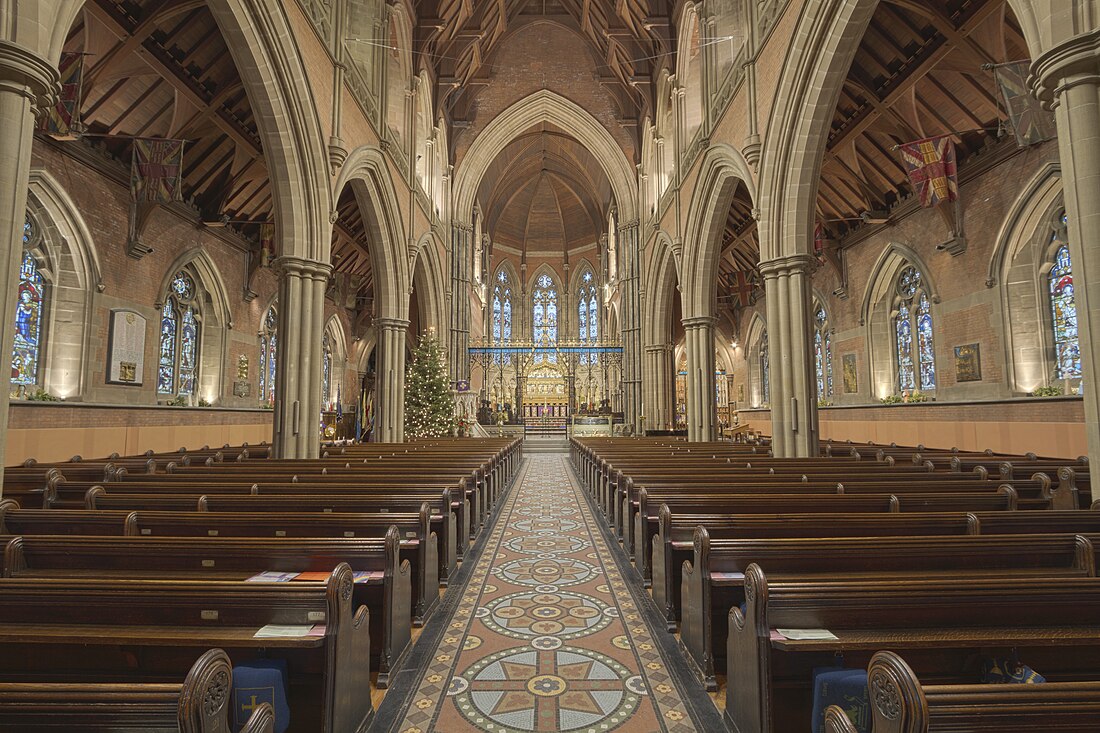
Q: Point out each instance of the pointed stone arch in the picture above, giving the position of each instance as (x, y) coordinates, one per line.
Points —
(430, 285)
(545, 106)
(366, 171)
(723, 171)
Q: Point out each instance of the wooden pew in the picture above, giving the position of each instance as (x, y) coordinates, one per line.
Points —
(901, 703)
(386, 592)
(198, 704)
(100, 627)
(647, 519)
(714, 580)
(418, 539)
(1053, 623)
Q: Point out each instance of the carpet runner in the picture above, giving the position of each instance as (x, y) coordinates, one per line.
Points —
(546, 636)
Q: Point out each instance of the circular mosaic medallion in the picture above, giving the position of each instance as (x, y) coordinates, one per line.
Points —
(563, 689)
(539, 544)
(539, 524)
(560, 613)
(539, 571)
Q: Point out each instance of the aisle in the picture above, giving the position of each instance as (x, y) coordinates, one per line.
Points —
(546, 637)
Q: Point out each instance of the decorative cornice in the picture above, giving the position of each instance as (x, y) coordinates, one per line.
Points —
(301, 267)
(1070, 63)
(791, 264)
(392, 324)
(699, 321)
(26, 73)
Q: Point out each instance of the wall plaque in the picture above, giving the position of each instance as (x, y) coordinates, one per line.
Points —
(968, 363)
(126, 348)
(242, 389)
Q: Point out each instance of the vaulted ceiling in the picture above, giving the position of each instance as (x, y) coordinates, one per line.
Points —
(918, 73)
(544, 192)
(157, 68)
(459, 37)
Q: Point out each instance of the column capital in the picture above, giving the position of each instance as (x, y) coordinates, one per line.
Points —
(392, 324)
(24, 72)
(699, 321)
(1072, 62)
(789, 265)
(301, 267)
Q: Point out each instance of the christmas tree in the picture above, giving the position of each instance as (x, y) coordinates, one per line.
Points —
(429, 402)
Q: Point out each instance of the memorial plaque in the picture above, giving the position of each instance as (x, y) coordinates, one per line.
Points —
(242, 389)
(126, 348)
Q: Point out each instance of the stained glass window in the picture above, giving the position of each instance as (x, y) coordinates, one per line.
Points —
(1063, 311)
(903, 326)
(925, 351)
(177, 367)
(26, 354)
(502, 311)
(267, 355)
(823, 352)
(588, 315)
(914, 345)
(765, 369)
(326, 370)
(28, 230)
(544, 312)
(169, 325)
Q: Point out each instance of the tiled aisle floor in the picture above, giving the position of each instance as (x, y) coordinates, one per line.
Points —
(546, 637)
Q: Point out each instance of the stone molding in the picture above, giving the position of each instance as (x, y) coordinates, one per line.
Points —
(1070, 63)
(26, 73)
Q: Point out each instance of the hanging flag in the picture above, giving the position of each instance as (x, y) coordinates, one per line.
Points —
(156, 173)
(820, 235)
(267, 243)
(932, 169)
(742, 284)
(59, 120)
(1031, 123)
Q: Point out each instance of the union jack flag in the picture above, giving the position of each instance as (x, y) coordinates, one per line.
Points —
(932, 169)
(156, 173)
(742, 285)
(59, 119)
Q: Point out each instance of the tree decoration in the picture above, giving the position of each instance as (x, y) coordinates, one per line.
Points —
(429, 402)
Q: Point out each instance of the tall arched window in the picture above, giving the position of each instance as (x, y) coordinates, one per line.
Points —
(823, 352)
(1063, 313)
(765, 369)
(588, 314)
(544, 315)
(26, 356)
(913, 333)
(326, 370)
(179, 339)
(267, 355)
(502, 309)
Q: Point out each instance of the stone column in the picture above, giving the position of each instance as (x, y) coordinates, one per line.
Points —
(659, 387)
(1067, 78)
(298, 360)
(390, 385)
(631, 324)
(791, 356)
(701, 407)
(28, 83)
(461, 239)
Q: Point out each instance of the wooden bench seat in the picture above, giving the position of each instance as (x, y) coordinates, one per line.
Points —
(94, 628)
(647, 517)
(383, 577)
(700, 593)
(901, 703)
(939, 624)
(198, 704)
(419, 541)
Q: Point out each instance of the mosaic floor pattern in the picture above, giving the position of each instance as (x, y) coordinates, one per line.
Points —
(546, 636)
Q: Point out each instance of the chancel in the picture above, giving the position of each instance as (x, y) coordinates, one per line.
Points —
(550, 365)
